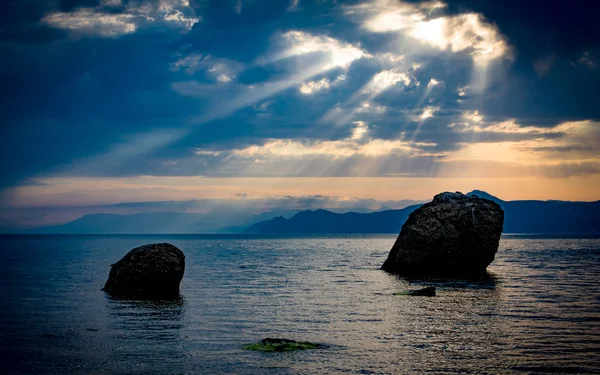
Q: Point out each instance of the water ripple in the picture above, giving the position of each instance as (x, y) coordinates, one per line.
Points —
(538, 311)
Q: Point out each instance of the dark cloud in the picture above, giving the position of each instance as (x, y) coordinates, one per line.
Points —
(537, 26)
(539, 29)
(19, 22)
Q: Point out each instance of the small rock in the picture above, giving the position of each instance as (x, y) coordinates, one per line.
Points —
(282, 345)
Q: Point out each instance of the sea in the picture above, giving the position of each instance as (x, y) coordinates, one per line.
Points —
(537, 311)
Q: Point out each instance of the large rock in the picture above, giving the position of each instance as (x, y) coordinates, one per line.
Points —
(454, 234)
(149, 271)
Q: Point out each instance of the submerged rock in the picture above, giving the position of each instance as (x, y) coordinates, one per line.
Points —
(427, 292)
(282, 345)
(455, 234)
(149, 271)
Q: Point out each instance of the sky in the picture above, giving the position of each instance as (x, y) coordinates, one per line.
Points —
(306, 103)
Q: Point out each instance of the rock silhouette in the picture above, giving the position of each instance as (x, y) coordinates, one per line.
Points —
(455, 234)
(149, 271)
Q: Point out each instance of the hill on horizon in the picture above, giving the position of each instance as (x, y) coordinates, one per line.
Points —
(167, 222)
(526, 216)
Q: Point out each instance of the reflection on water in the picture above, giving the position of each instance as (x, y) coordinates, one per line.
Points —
(148, 334)
(484, 281)
(537, 311)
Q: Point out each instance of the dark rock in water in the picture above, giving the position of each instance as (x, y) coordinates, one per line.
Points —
(455, 234)
(282, 345)
(426, 292)
(147, 272)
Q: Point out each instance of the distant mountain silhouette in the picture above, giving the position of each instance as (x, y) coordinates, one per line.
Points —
(159, 223)
(220, 221)
(541, 217)
(545, 217)
(322, 221)
(483, 194)
(142, 223)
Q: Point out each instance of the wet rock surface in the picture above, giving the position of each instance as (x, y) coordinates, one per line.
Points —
(147, 272)
(455, 234)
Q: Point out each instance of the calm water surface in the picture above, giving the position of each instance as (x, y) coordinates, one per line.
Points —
(538, 312)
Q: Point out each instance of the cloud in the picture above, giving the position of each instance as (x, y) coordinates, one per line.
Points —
(462, 91)
(568, 149)
(385, 80)
(579, 141)
(432, 83)
(588, 60)
(542, 66)
(334, 149)
(410, 84)
(427, 112)
(310, 87)
(482, 149)
(317, 54)
(218, 69)
(370, 108)
(90, 21)
(468, 32)
(472, 116)
(360, 131)
(103, 21)
(293, 5)
(111, 3)
(326, 54)
(338, 54)
(361, 101)
(390, 58)
(238, 6)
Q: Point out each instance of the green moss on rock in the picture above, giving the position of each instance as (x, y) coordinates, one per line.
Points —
(281, 345)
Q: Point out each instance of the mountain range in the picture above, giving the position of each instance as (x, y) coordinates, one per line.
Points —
(527, 216)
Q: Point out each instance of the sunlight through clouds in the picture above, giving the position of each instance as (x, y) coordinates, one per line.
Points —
(359, 131)
(360, 102)
(428, 112)
(323, 84)
(384, 80)
(219, 69)
(392, 114)
(358, 143)
(336, 54)
(339, 54)
(464, 32)
(432, 83)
